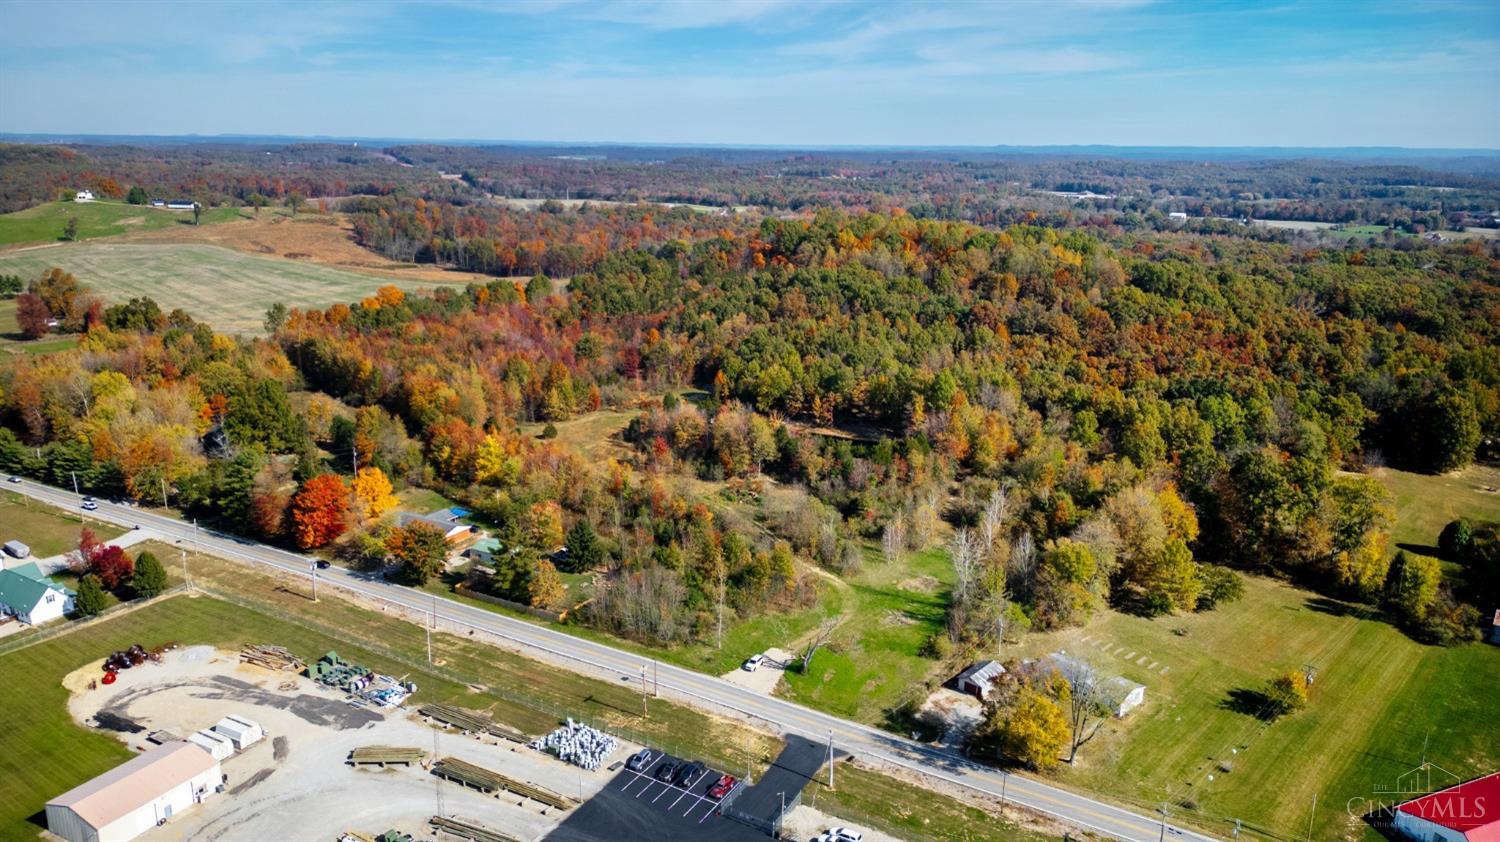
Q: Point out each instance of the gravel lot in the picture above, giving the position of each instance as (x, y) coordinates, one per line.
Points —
(296, 785)
(766, 676)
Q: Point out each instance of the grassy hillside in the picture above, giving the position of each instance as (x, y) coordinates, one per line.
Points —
(44, 223)
(1425, 503)
(228, 289)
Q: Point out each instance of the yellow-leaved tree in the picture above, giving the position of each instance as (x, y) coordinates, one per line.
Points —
(373, 495)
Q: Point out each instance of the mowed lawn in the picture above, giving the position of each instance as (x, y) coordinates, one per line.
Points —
(1426, 503)
(230, 290)
(44, 223)
(1377, 696)
(47, 531)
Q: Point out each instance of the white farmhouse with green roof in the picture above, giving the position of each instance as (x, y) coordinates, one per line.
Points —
(31, 597)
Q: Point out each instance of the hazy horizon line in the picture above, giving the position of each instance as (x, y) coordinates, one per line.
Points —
(232, 137)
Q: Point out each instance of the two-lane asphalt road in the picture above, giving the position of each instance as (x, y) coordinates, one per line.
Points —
(706, 691)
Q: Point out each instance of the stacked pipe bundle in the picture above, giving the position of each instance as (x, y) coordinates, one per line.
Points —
(578, 744)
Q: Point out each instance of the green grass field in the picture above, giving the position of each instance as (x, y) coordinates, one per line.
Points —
(1425, 503)
(873, 662)
(44, 223)
(1377, 697)
(45, 530)
(228, 289)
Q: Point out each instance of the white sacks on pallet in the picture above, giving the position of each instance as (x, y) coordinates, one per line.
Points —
(578, 744)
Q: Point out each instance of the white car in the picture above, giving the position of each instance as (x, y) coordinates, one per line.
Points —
(752, 662)
(844, 834)
(89, 504)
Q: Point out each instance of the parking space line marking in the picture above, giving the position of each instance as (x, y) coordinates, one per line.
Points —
(668, 789)
(701, 799)
(673, 805)
(638, 776)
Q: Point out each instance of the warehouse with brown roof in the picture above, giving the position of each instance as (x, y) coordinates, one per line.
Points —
(135, 796)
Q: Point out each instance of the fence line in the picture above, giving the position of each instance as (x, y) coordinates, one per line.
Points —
(67, 627)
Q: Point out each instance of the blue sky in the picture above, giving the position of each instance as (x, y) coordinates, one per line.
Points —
(785, 72)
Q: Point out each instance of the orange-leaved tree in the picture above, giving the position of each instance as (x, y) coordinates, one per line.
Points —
(319, 510)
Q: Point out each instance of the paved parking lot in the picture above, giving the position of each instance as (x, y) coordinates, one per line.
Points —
(635, 805)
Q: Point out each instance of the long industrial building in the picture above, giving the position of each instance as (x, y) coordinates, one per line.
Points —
(135, 796)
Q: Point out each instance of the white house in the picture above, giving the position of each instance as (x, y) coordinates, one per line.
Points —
(1469, 812)
(217, 745)
(240, 731)
(84, 196)
(979, 679)
(135, 796)
(31, 597)
(181, 204)
(1177, 215)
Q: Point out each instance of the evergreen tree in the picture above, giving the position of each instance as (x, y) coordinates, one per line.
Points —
(585, 552)
(150, 577)
(90, 599)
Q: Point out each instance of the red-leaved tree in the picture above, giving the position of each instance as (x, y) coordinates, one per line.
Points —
(32, 315)
(113, 567)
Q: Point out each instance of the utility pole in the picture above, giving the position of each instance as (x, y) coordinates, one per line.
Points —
(185, 579)
(1163, 834)
(431, 624)
(1004, 779)
(1311, 815)
(830, 758)
(75, 483)
(163, 492)
(655, 680)
(645, 711)
(312, 568)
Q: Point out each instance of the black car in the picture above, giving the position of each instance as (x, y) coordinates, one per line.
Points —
(689, 774)
(640, 760)
(665, 771)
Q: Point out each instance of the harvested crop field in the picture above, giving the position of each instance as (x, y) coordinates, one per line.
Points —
(228, 289)
(322, 239)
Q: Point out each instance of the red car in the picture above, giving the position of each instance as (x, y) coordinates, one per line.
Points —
(722, 787)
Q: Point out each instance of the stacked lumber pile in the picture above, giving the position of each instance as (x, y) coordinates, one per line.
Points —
(470, 722)
(386, 755)
(469, 830)
(273, 658)
(486, 780)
